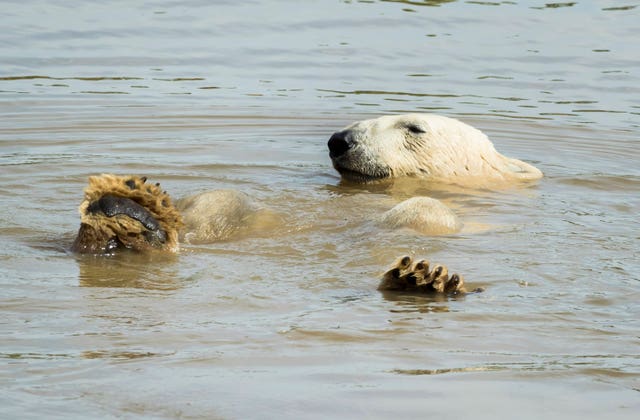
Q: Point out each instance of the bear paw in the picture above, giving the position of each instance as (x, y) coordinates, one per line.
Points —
(407, 275)
(125, 212)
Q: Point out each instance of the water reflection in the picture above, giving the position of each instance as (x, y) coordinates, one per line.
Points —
(121, 355)
(153, 271)
(556, 5)
(392, 93)
(418, 372)
(406, 187)
(431, 3)
(411, 303)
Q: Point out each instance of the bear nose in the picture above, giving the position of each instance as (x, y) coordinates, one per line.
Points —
(339, 144)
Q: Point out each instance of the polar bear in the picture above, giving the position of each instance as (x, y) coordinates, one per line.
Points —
(424, 145)
(125, 212)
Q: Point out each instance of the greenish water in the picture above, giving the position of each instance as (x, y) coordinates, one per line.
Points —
(244, 95)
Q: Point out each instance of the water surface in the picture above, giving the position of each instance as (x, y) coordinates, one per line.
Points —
(287, 323)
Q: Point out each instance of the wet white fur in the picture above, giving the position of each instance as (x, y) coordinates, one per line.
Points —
(448, 150)
(423, 214)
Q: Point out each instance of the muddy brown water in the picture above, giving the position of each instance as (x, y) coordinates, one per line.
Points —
(286, 322)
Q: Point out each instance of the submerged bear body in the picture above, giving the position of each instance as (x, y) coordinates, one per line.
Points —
(438, 149)
(126, 212)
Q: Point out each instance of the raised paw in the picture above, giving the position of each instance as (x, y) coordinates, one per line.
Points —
(416, 276)
(124, 212)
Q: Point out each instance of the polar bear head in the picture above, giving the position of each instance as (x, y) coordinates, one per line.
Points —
(424, 145)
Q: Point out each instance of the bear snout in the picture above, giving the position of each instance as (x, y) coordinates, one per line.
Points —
(339, 143)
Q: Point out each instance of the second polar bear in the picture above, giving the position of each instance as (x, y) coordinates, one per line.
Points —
(432, 147)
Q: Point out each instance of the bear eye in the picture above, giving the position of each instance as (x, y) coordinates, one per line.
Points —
(415, 129)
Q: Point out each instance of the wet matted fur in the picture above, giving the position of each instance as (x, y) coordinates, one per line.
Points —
(123, 212)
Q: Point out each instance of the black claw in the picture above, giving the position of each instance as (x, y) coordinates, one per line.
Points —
(131, 184)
